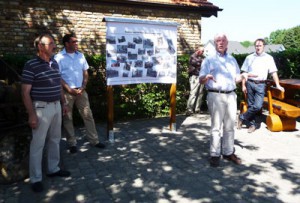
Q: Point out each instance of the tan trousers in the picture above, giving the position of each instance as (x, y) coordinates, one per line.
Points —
(83, 106)
(196, 94)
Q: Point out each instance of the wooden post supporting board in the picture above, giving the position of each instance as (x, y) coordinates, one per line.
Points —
(110, 113)
(173, 107)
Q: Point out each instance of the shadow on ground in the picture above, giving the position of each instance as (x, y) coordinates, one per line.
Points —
(148, 163)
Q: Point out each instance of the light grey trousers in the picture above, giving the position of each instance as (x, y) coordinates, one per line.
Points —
(48, 135)
(222, 109)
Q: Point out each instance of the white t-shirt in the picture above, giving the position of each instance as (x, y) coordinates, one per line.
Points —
(260, 65)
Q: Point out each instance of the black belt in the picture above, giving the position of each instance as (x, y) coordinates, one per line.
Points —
(220, 91)
(257, 81)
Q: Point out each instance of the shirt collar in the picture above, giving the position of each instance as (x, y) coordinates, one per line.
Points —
(65, 52)
(262, 54)
(219, 54)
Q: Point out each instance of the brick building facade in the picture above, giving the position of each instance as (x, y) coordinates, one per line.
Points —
(22, 20)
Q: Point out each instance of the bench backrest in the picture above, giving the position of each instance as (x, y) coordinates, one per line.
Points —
(277, 105)
(276, 93)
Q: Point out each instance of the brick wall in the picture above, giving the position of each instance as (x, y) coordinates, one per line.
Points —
(21, 21)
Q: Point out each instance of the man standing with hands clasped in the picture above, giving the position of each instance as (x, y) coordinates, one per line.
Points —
(74, 71)
(220, 73)
(196, 89)
(260, 64)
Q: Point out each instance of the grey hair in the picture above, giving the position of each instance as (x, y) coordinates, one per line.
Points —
(38, 40)
(220, 35)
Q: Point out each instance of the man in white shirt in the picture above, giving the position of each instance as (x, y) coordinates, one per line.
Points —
(73, 68)
(260, 64)
(220, 73)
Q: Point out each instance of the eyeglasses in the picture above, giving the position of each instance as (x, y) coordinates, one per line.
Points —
(75, 41)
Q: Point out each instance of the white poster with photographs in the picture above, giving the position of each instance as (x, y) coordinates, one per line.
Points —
(139, 52)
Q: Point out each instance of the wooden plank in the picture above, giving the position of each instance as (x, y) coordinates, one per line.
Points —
(284, 109)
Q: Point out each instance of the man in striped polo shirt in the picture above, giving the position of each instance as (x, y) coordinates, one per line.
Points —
(42, 97)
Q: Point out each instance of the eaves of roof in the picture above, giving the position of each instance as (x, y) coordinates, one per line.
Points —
(203, 7)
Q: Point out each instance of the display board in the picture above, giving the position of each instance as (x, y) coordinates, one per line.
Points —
(140, 51)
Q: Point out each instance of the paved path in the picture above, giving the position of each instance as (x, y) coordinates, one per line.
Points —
(149, 163)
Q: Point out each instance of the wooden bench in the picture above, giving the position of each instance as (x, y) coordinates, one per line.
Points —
(282, 116)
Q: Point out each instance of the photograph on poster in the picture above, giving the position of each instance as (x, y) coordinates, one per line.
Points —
(131, 45)
(121, 58)
(132, 56)
(141, 51)
(122, 49)
(138, 40)
(111, 40)
(148, 43)
(150, 52)
(121, 39)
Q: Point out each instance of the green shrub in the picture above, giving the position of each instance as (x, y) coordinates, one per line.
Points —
(151, 100)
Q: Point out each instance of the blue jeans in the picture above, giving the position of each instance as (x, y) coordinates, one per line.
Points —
(255, 94)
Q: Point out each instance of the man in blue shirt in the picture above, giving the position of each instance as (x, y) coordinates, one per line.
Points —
(220, 73)
(74, 71)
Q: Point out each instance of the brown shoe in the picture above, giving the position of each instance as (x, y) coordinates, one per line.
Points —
(233, 158)
(214, 161)
(239, 123)
(251, 129)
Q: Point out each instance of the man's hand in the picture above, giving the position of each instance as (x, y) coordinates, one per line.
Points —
(210, 77)
(244, 89)
(80, 91)
(65, 109)
(76, 92)
(33, 120)
(244, 76)
(280, 88)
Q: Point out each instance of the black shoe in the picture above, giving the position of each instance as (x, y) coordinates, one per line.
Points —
(73, 149)
(37, 187)
(99, 145)
(214, 161)
(198, 112)
(189, 113)
(60, 173)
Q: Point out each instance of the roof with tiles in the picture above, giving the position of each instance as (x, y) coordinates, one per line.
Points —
(235, 47)
(182, 2)
(204, 7)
